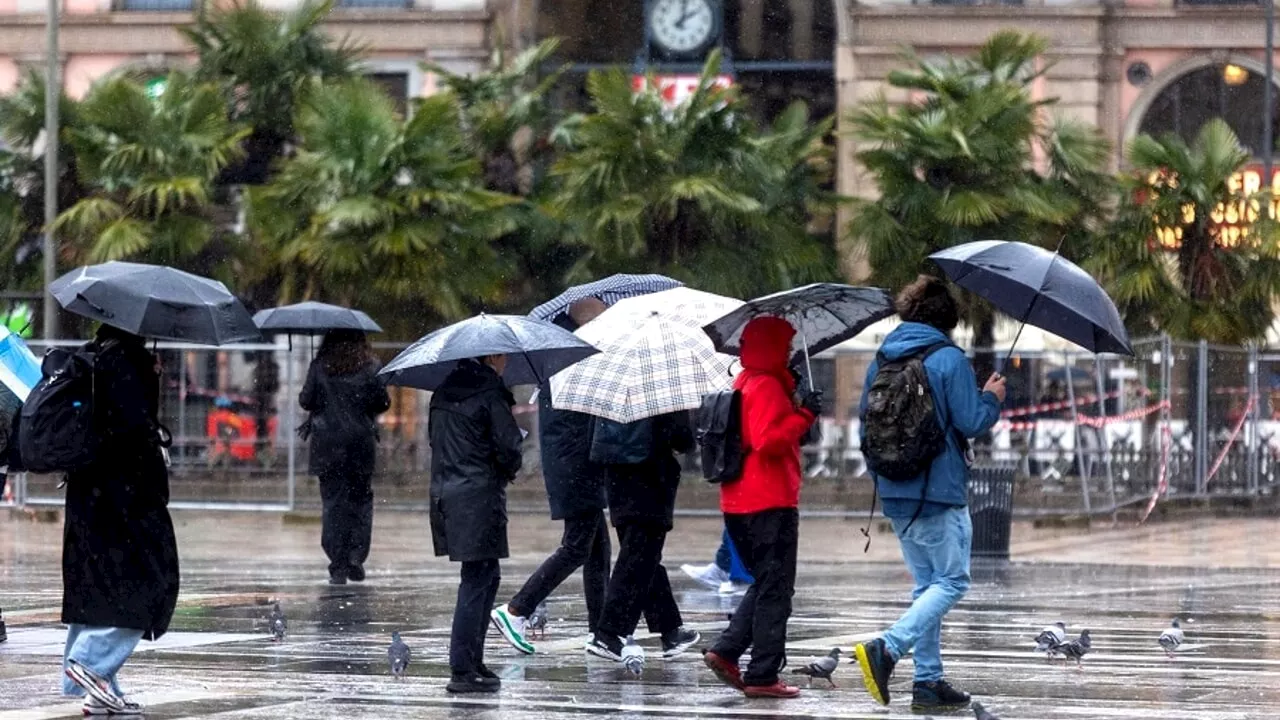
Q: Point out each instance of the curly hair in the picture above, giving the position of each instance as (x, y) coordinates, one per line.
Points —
(928, 301)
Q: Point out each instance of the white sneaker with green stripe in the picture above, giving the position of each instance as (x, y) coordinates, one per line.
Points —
(512, 628)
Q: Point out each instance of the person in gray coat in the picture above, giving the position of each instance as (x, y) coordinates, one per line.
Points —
(475, 454)
(345, 397)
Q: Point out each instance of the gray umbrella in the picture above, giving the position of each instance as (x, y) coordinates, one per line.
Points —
(313, 318)
(156, 302)
(535, 350)
(608, 290)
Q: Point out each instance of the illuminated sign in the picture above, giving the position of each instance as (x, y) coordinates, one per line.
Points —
(1231, 222)
(676, 89)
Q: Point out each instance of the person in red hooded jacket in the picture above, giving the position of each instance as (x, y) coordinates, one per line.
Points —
(760, 509)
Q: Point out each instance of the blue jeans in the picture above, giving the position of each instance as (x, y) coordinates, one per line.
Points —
(936, 550)
(728, 560)
(103, 650)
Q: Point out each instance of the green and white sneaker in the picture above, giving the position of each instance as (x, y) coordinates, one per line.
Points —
(512, 628)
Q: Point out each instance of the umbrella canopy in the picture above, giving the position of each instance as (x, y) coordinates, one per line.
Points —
(823, 314)
(648, 365)
(1040, 288)
(608, 290)
(156, 302)
(535, 350)
(687, 305)
(313, 318)
(19, 368)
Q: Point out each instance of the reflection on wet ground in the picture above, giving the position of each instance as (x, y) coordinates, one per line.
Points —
(218, 661)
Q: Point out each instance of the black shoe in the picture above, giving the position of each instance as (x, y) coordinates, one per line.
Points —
(677, 641)
(472, 683)
(337, 579)
(484, 672)
(605, 646)
(937, 695)
(356, 573)
(877, 668)
(3, 634)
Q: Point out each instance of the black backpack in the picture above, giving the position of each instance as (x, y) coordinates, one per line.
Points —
(901, 432)
(58, 433)
(719, 435)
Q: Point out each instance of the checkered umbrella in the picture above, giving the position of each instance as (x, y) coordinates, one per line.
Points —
(648, 365)
(609, 290)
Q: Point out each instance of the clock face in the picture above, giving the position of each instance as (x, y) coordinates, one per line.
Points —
(682, 26)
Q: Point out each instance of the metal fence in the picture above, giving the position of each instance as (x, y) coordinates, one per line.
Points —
(1086, 434)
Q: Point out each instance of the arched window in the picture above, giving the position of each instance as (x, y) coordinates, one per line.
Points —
(1230, 92)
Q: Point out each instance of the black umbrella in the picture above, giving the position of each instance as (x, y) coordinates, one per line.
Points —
(156, 302)
(608, 290)
(313, 318)
(535, 350)
(1036, 286)
(823, 314)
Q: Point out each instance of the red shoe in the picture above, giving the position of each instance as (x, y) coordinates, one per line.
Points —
(728, 672)
(777, 690)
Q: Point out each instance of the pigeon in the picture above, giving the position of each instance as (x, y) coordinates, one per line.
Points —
(1171, 638)
(981, 713)
(821, 668)
(1078, 648)
(277, 624)
(1050, 638)
(398, 654)
(537, 622)
(633, 657)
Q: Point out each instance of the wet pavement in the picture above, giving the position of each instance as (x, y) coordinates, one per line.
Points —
(1123, 583)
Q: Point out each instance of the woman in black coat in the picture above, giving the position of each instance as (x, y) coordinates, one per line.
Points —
(345, 397)
(119, 553)
(475, 454)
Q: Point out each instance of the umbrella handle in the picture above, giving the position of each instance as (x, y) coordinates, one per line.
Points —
(808, 367)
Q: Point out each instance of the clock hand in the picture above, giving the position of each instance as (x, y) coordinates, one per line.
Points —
(684, 14)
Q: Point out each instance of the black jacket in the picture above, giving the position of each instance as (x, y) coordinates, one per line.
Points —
(475, 453)
(575, 485)
(344, 411)
(646, 492)
(119, 553)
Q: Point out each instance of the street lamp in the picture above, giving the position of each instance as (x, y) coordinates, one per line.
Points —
(52, 96)
(1268, 142)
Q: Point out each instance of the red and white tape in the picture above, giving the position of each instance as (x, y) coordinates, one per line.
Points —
(1235, 433)
(1162, 485)
(1095, 422)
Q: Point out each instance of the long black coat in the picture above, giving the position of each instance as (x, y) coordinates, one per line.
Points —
(475, 453)
(575, 485)
(119, 553)
(646, 492)
(344, 411)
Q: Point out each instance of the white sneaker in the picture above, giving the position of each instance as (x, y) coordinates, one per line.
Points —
(729, 587)
(92, 707)
(98, 689)
(512, 628)
(709, 575)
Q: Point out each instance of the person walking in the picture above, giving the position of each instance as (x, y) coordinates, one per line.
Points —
(119, 554)
(928, 512)
(642, 500)
(576, 494)
(475, 454)
(725, 574)
(761, 510)
(345, 397)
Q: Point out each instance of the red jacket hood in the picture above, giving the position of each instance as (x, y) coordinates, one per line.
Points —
(766, 348)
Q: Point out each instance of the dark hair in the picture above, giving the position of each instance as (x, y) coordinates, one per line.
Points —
(928, 301)
(344, 352)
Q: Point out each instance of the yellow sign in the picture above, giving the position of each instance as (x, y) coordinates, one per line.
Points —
(1231, 221)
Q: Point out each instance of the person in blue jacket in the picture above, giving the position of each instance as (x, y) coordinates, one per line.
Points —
(930, 514)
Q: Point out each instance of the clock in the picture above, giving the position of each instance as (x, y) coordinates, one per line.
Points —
(683, 27)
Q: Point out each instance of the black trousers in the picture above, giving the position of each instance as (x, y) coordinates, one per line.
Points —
(767, 543)
(585, 544)
(477, 591)
(639, 584)
(346, 495)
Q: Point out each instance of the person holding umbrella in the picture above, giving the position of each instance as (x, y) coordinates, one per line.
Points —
(475, 454)
(344, 396)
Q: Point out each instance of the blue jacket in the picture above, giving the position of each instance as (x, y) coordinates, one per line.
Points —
(961, 406)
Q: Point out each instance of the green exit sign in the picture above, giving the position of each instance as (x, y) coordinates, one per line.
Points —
(155, 87)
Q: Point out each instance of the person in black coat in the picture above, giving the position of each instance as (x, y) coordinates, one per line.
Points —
(642, 500)
(475, 454)
(344, 396)
(576, 493)
(119, 553)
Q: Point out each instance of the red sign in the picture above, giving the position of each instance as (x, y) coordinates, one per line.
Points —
(1231, 221)
(676, 89)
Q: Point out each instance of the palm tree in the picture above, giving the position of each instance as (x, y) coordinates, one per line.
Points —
(149, 167)
(266, 64)
(696, 191)
(390, 210)
(1167, 260)
(974, 158)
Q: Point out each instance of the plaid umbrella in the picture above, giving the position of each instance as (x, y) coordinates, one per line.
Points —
(609, 290)
(648, 365)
